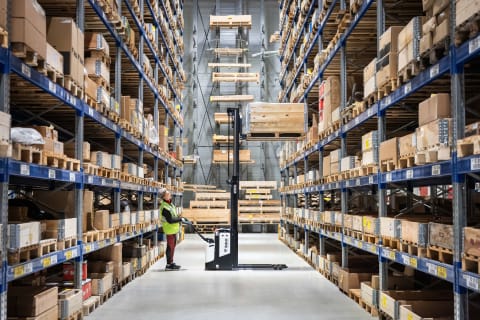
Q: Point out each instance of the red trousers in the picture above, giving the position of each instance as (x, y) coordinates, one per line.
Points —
(171, 243)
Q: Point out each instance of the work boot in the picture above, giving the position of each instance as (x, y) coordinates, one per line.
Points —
(172, 266)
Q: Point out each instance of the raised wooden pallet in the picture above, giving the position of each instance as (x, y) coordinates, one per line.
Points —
(355, 6)
(468, 146)
(391, 243)
(54, 160)
(229, 65)
(107, 295)
(413, 249)
(468, 29)
(29, 56)
(232, 98)
(75, 316)
(90, 236)
(208, 204)
(66, 243)
(273, 136)
(3, 38)
(229, 51)
(29, 154)
(432, 155)
(411, 70)
(46, 246)
(406, 162)
(367, 170)
(216, 139)
(232, 21)
(90, 305)
(370, 238)
(440, 254)
(470, 263)
(89, 168)
(388, 165)
(371, 99)
(235, 77)
(73, 87)
(106, 234)
(387, 88)
(54, 75)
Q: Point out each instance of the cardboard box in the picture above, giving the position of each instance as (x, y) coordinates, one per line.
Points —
(23, 31)
(389, 40)
(95, 41)
(389, 150)
(334, 167)
(69, 149)
(465, 9)
(62, 34)
(101, 283)
(370, 157)
(410, 33)
(101, 159)
(471, 241)
(54, 59)
(434, 133)
(390, 227)
(426, 43)
(440, 6)
(69, 302)
(386, 69)
(435, 107)
(348, 163)
(101, 220)
(370, 141)
(58, 147)
(332, 92)
(110, 253)
(45, 131)
(23, 234)
(369, 84)
(351, 280)
(97, 68)
(441, 31)
(163, 137)
(427, 4)
(114, 220)
(335, 155)
(60, 229)
(100, 266)
(91, 88)
(440, 235)
(406, 55)
(116, 162)
(126, 269)
(370, 225)
(326, 166)
(419, 310)
(407, 145)
(31, 301)
(414, 232)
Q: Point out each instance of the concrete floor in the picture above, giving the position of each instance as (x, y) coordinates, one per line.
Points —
(298, 292)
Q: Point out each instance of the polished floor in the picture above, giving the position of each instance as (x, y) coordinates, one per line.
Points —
(298, 292)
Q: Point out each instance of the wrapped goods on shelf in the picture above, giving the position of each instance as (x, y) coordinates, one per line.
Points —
(69, 149)
(60, 229)
(335, 115)
(348, 221)
(54, 59)
(334, 167)
(23, 234)
(125, 218)
(369, 83)
(114, 220)
(28, 27)
(300, 179)
(101, 283)
(409, 43)
(58, 147)
(97, 68)
(370, 157)
(389, 150)
(440, 235)
(407, 145)
(64, 35)
(370, 225)
(32, 302)
(434, 108)
(370, 141)
(357, 223)
(328, 217)
(101, 220)
(348, 163)
(414, 232)
(471, 241)
(5, 122)
(95, 41)
(338, 218)
(266, 118)
(101, 159)
(435, 133)
(326, 166)
(386, 66)
(466, 9)
(103, 96)
(133, 218)
(69, 303)
(335, 155)
(390, 227)
(116, 162)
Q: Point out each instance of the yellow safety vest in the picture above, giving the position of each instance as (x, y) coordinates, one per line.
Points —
(169, 228)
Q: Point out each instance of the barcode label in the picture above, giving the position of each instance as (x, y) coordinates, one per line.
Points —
(51, 86)
(475, 164)
(474, 45)
(388, 100)
(72, 177)
(388, 177)
(358, 181)
(370, 180)
(26, 70)
(104, 121)
(28, 268)
(434, 71)
(90, 112)
(407, 88)
(409, 174)
(436, 170)
(25, 169)
(103, 182)
(432, 269)
(471, 282)
(51, 174)
(357, 120)
(53, 259)
(90, 179)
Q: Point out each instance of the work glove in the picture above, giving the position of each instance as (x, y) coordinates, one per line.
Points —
(186, 221)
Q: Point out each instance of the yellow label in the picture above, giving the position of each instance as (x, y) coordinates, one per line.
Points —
(211, 98)
(392, 255)
(409, 316)
(18, 271)
(442, 272)
(88, 248)
(68, 255)
(384, 302)
(46, 262)
(413, 262)
(360, 245)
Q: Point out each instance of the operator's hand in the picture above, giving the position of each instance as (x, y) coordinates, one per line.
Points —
(186, 221)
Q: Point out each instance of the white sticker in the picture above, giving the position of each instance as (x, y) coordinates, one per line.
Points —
(337, 185)
(115, 127)
(103, 182)
(475, 164)
(409, 174)
(370, 180)
(471, 282)
(90, 112)
(407, 88)
(434, 71)
(90, 180)
(104, 121)
(51, 174)
(26, 70)
(474, 45)
(432, 269)
(25, 169)
(388, 177)
(406, 260)
(53, 259)
(72, 177)
(370, 112)
(388, 100)
(356, 120)
(436, 170)
(28, 268)
(74, 252)
(358, 181)
(51, 86)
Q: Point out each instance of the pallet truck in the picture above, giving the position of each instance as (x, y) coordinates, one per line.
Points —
(222, 252)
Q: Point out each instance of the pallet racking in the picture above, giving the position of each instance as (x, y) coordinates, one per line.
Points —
(47, 102)
(345, 40)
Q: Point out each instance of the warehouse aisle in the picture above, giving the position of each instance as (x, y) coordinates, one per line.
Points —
(296, 293)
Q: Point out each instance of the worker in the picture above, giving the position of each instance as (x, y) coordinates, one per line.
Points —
(171, 226)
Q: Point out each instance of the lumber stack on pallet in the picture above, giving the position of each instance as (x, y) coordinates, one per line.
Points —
(223, 156)
(231, 21)
(258, 206)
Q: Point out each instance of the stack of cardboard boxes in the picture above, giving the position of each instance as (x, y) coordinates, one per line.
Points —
(369, 79)
(5, 142)
(370, 148)
(408, 47)
(50, 137)
(32, 302)
(386, 66)
(335, 161)
(329, 102)
(436, 27)
(97, 66)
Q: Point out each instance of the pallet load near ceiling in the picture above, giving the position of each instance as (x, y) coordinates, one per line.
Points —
(209, 209)
(220, 139)
(274, 121)
(229, 65)
(235, 77)
(221, 118)
(231, 22)
(229, 52)
(258, 206)
(224, 156)
(232, 98)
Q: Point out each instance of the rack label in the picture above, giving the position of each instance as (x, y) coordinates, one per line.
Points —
(103, 182)
(26, 70)
(388, 177)
(432, 269)
(471, 282)
(475, 164)
(88, 248)
(51, 86)
(442, 272)
(25, 169)
(409, 174)
(410, 316)
(388, 100)
(370, 180)
(436, 170)
(51, 174)
(22, 270)
(434, 71)
(104, 121)
(90, 180)
(474, 45)
(72, 177)
(383, 301)
(356, 120)
(370, 112)
(407, 88)
(358, 181)
(90, 112)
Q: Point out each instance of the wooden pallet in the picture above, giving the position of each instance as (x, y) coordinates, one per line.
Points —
(355, 6)
(54, 75)
(29, 154)
(387, 88)
(66, 243)
(410, 71)
(468, 146)
(75, 316)
(387, 165)
(107, 295)
(28, 56)
(273, 136)
(72, 164)
(92, 102)
(89, 168)
(90, 236)
(73, 87)
(28, 253)
(470, 263)
(406, 162)
(436, 52)
(413, 249)
(431, 155)
(467, 30)
(371, 99)
(370, 238)
(440, 254)
(367, 170)
(358, 109)
(391, 243)
(106, 234)
(3, 38)
(90, 305)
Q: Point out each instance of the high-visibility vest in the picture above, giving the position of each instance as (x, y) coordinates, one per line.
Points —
(169, 228)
